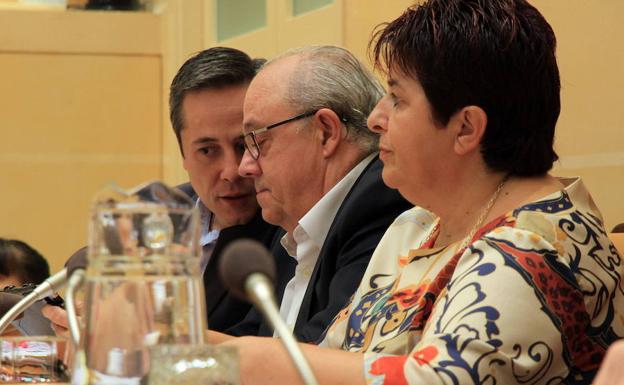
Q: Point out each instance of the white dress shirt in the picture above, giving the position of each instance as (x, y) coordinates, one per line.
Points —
(306, 241)
(208, 238)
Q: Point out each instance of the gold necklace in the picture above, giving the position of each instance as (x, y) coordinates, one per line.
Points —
(484, 214)
(433, 231)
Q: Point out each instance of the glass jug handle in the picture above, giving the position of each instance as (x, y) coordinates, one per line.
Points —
(75, 281)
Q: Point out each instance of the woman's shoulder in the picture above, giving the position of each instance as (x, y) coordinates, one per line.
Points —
(565, 227)
(566, 214)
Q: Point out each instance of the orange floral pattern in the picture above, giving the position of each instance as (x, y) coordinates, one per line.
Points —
(530, 300)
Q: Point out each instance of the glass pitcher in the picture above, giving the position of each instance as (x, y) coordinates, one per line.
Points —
(142, 286)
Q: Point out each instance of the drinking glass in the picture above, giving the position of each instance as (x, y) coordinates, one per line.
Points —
(193, 365)
(142, 285)
(32, 360)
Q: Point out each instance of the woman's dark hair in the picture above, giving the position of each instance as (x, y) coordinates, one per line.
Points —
(20, 260)
(495, 54)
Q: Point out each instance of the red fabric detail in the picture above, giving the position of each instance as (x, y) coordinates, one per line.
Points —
(408, 296)
(566, 303)
(391, 367)
(426, 294)
(501, 221)
(425, 355)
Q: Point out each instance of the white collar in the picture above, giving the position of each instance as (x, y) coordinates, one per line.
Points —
(316, 222)
(205, 216)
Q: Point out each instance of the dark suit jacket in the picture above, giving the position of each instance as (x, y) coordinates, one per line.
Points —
(362, 219)
(222, 308)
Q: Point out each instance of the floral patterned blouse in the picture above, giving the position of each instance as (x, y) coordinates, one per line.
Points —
(535, 298)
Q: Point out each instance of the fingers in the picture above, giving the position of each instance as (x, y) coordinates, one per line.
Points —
(60, 331)
(56, 315)
(78, 306)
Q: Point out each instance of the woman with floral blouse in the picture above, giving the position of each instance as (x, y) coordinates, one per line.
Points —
(501, 273)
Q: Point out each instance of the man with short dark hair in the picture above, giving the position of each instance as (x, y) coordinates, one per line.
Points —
(205, 102)
(206, 110)
(21, 264)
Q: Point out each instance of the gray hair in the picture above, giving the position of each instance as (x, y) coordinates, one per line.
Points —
(331, 77)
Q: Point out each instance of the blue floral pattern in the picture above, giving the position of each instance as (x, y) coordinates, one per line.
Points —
(533, 299)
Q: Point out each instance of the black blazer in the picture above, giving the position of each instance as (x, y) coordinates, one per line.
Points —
(363, 217)
(224, 310)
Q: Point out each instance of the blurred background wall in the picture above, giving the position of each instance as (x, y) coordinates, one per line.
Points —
(84, 99)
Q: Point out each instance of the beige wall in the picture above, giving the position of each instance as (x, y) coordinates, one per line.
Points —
(80, 108)
(590, 53)
(362, 16)
(589, 138)
(85, 99)
(182, 35)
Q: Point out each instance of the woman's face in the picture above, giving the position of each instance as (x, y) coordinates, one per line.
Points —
(412, 146)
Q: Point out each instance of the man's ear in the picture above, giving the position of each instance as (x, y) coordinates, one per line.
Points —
(332, 130)
(469, 123)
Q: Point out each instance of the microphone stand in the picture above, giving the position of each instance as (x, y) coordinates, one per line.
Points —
(70, 303)
(47, 288)
(258, 288)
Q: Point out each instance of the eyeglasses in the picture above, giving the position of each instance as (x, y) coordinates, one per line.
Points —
(250, 138)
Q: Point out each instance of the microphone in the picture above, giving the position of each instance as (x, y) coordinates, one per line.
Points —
(248, 270)
(77, 261)
(31, 324)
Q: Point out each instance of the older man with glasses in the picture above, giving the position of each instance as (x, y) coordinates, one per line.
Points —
(316, 175)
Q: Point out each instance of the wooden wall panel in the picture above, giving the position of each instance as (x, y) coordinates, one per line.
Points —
(71, 123)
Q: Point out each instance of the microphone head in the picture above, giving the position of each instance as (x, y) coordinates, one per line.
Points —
(78, 260)
(242, 258)
(7, 301)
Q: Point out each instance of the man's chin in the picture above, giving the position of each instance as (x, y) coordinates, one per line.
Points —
(273, 217)
(228, 214)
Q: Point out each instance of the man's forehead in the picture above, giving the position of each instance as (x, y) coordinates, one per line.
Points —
(266, 112)
(266, 98)
(273, 80)
(225, 138)
(261, 107)
(260, 92)
(216, 135)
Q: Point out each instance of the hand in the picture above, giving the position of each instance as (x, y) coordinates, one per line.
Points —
(60, 325)
(253, 352)
(611, 371)
(248, 355)
(58, 319)
(213, 337)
